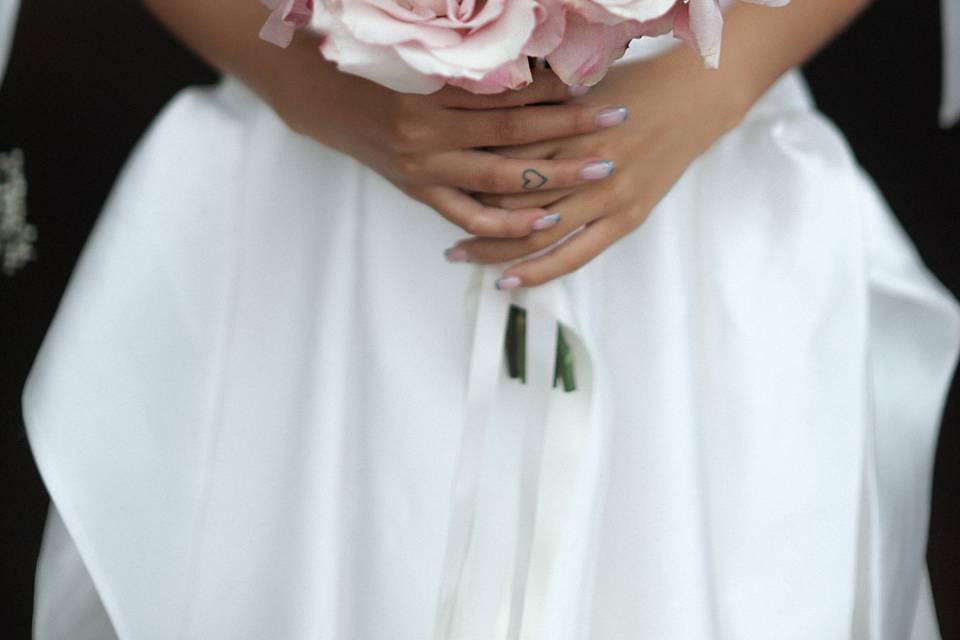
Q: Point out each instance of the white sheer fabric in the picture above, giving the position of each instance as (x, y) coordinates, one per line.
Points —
(950, 110)
(249, 408)
(8, 20)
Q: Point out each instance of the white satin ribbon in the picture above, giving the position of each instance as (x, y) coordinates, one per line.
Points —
(541, 304)
(486, 357)
(950, 106)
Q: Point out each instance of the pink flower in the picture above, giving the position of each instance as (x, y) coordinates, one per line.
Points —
(617, 11)
(484, 46)
(598, 32)
(418, 45)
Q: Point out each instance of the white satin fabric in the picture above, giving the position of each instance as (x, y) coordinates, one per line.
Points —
(264, 384)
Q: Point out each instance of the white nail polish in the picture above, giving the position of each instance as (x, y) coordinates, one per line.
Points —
(546, 221)
(511, 282)
(612, 117)
(456, 254)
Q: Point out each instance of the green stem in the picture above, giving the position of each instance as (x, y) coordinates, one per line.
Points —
(515, 345)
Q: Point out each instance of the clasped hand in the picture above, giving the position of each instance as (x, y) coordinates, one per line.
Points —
(547, 177)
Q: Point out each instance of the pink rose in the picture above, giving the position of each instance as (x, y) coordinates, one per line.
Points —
(418, 45)
(598, 32)
(617, 11)
(484, 46)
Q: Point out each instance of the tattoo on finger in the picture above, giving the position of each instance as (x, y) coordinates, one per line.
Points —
(533, 179)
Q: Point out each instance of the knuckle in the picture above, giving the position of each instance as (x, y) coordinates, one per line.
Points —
(509, 128)
(406, 134)
(617, 195)
(516, 227)
(490, 181)
(495, 200)
(581, 119)
(536, 278)
(476, 226)
(536, 242)
(407, 165)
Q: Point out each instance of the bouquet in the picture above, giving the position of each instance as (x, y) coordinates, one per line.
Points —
(484, 46)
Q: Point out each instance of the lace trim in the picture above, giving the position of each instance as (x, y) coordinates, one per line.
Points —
(17, 237)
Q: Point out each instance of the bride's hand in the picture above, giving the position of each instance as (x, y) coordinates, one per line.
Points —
(426, 145)
(430, 146)
(677, 111)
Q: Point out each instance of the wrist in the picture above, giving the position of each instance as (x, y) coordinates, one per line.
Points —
(707, 102)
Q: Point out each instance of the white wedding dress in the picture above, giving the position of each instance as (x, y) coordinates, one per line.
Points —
(249, 409)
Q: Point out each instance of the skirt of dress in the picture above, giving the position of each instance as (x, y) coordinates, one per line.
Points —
(249, 409)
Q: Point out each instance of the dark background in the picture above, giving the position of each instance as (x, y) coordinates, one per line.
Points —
(86, 78)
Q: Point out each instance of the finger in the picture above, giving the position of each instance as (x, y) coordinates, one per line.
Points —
(544, 199)
(545, 88)
(566, 257)
(483, 172)
(575, 211)
(475, 218)
(523, 125)
(537, 150)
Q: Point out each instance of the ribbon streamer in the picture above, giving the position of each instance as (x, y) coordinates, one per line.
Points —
(486, 359)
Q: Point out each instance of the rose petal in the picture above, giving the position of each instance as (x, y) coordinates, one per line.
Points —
(700, 23)
(482, 51)
(368, 23)
(379, 64)
(548, 34)
(588, 49)
(512, 75)
(287, 16)
(615, 11)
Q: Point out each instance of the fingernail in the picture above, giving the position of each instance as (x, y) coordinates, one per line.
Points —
(596, 170)
(577, 90)
(612, 117)
(456, 254)
(511, 282)
(546, 221)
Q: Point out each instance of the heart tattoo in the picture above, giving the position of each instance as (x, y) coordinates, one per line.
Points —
(533, 179)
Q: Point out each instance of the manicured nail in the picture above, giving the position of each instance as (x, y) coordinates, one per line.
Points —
(546, 221)
(596, 170)
(511, 282)
(456, 254)
(612, 117)
(577, 90)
